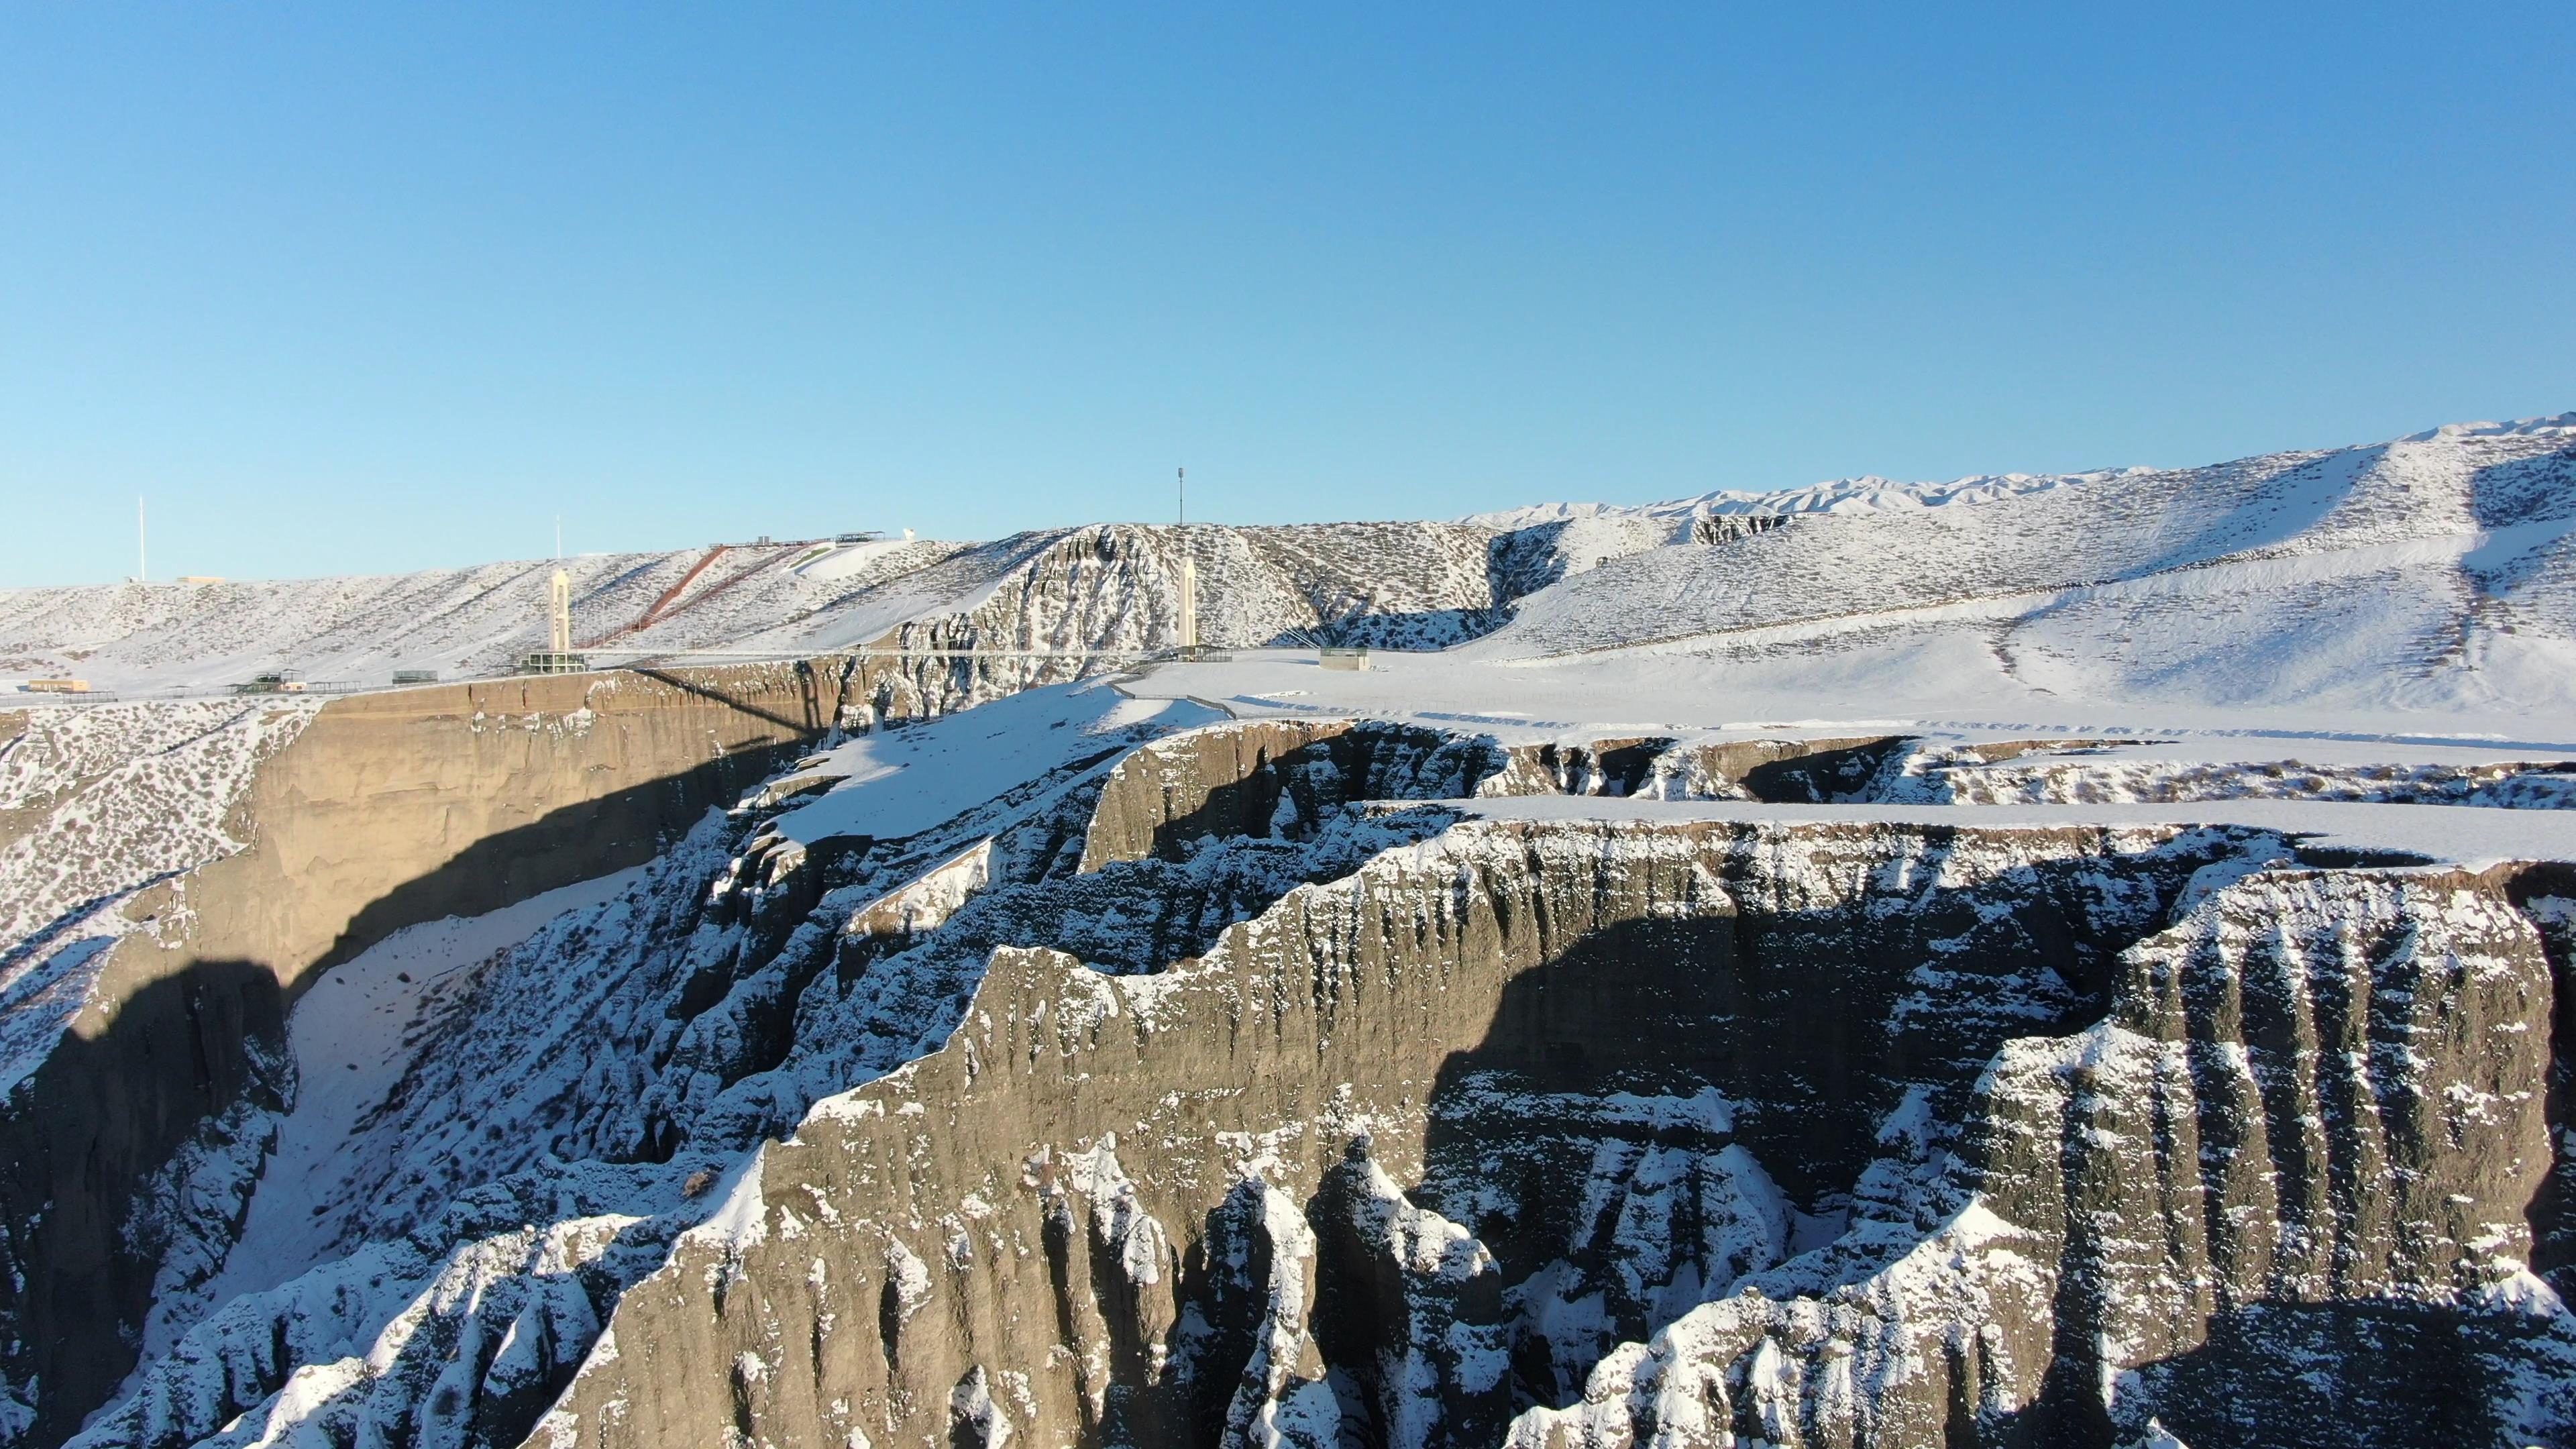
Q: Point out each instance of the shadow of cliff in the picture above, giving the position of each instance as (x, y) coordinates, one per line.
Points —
(1795, 1022)
(2552, 1214)
(1369, 762)
(1811, 1027)
(562, 847)
(82, 1138)
(2371, 1375)
(85, 1134)
(1836, 774)
(821, 700)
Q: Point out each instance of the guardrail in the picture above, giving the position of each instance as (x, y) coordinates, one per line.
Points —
(622, 659)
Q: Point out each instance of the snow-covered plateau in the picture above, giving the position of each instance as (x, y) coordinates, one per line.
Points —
(2036, 960)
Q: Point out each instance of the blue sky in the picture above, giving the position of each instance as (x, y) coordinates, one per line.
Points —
(359, 288)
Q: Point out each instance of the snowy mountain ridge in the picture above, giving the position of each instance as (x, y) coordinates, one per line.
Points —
(1870, 493)
(2491, 499)
(1866, 494)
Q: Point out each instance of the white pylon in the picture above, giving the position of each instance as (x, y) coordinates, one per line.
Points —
(559, 615)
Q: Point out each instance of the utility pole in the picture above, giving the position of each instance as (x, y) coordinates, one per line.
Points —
(1189, 569)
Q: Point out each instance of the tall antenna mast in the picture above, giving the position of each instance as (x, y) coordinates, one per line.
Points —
(1189, 570)
(142, 545)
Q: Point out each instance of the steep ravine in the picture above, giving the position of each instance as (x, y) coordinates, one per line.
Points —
(384, 811)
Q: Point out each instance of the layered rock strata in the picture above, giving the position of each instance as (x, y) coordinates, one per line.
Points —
(1584, 1133)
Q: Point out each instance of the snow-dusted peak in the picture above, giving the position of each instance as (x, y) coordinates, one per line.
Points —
(1872, 494)
(1841, 495)
(2556, 425)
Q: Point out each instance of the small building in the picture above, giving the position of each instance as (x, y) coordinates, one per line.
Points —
(415, 676)
(277, 681)
(553, 661)
(58, 686)
(1334, 657)
(865, 535)
(201, 578)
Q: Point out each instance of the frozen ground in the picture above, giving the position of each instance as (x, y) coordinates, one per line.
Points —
(1927, 685)
(903, 782)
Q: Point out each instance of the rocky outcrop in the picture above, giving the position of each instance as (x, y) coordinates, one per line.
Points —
(2293, 1158)
(1159, 796)
(1265, 779)
(1566, 1134)
(1777, 771)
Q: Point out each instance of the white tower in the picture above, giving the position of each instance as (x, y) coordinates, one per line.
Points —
(559, 616)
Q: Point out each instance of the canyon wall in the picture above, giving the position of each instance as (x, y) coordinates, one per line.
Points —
(1242, 1085)
(1585, 1133)
(387, 810)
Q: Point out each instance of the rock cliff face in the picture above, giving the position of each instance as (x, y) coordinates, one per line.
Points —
(1244, 1085)
(135, 1139)
(1703, 1134)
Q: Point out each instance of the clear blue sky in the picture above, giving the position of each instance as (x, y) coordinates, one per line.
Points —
(362, 287)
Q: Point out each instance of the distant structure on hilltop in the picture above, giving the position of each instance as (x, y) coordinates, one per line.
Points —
(557, 657)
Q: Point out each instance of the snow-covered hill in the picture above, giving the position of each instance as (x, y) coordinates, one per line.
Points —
(2431, 571)
(1107, 586)
(141, 638)
(2435, 571)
